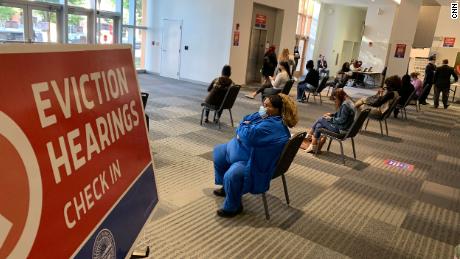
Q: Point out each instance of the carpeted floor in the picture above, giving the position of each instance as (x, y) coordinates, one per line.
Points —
(363, 209)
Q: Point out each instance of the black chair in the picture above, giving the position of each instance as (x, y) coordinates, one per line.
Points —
(227, 104)
(384, 116)
(350, 134)
(318, 90)
(284, 162)
(402, 107)
(287, 87)
(145, 97)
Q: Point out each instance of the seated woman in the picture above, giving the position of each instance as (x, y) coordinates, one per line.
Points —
(417, 83)
(275, 85)
(341, 78)
(217, 90)
(380, 102)
(310, 82)
(405, 91)
(335, 122)
(247, 162)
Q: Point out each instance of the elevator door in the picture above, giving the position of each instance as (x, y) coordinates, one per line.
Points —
(256, 55)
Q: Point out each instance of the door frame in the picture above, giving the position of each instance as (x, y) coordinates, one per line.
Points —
(180, 45)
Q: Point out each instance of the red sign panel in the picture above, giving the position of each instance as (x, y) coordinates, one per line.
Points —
(449, 42)
(261, 21)
(73, 141)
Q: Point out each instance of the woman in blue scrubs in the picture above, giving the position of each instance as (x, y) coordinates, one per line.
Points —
(247, 162)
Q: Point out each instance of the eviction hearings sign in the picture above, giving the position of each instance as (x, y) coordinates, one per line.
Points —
(76, 175)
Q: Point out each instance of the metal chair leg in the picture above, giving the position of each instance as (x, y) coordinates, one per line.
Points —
(308, 96)
(286, 194)
(381, 130)
(320, 99)
(231, 118)
(202, 113)
(353, 145)
(341, 151)
(386, 127)
(264, 199)
(367, 122)
(329, 145)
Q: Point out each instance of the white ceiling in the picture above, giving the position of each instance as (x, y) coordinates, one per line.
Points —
(366, 3)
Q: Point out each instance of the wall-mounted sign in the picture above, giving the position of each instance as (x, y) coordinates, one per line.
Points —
(449, 42)
(400, 50)
(261, 21)
(76, 170)
(236, 38)
(399, 165)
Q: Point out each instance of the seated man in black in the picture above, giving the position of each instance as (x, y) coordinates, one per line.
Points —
(217, 90)
(310, 83)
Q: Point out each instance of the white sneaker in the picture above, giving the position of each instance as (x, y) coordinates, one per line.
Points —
(311, 149)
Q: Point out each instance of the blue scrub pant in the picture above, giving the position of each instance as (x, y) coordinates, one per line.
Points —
(229, 168)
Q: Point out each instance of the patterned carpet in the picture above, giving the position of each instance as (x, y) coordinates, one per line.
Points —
(363, 209)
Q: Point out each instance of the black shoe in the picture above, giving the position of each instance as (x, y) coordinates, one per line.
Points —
(206, 121)
(446, 106)
(227, 214)
(219, 192)
(423, 103)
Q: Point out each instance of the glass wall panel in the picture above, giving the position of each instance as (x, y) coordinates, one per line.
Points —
(11, 24)
(107, 5)
(81, 3)
(44, 26)
(104, 31)
(139, 48)
(78, 29)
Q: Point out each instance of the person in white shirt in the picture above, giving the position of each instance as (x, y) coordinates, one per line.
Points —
(276, 84)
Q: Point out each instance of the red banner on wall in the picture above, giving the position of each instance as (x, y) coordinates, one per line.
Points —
(74, 146)
(261, 21)
(449, 42)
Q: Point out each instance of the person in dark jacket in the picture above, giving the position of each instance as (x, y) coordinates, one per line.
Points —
(428, 80)
(310, 81)
(269, 64)
(217, 90)
(405, 91)
(442, 83)
(322, 65)
(381, 102)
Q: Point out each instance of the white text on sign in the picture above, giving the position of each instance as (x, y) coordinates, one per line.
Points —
(81, 204)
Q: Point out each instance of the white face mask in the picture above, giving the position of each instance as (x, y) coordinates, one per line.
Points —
(263, 111)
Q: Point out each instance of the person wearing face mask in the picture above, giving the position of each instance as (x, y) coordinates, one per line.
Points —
(311, 81)
(247, 162)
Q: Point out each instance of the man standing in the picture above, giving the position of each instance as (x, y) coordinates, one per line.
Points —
(428, 80)
(442, 83)
(322, 65)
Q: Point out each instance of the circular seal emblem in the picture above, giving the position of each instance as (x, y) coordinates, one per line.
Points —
(20, 192)
(104, 245)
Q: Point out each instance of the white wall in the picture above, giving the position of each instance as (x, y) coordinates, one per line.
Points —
(243, 15)
(207, 30)
(337, 23)
(378, 31)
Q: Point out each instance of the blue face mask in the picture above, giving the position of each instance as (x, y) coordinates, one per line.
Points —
(263, 112)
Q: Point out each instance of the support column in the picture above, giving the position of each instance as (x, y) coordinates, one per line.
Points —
(385, 26)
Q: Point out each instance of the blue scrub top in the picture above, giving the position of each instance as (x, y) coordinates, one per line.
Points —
(260, 143)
